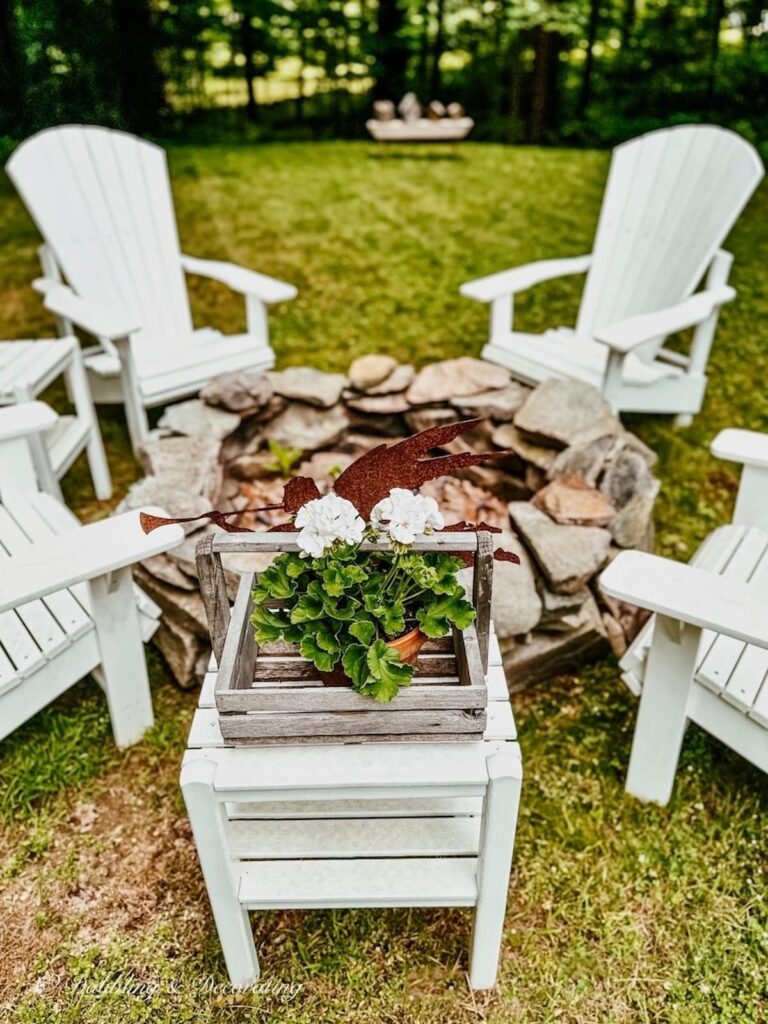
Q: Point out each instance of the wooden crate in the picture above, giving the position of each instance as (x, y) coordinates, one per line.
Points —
(272, 695)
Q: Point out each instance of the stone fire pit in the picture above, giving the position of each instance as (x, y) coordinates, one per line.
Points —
(576, 489)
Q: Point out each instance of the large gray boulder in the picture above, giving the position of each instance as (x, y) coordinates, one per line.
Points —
(566, 412)
(308, 428)
(305, 384)
(453, 378)
(567, 555)
(197, 419)
(515, 603)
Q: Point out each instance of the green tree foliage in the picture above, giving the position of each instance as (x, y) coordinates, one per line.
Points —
(577, 71)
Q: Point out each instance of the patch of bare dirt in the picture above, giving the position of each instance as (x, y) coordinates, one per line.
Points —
(124, 863)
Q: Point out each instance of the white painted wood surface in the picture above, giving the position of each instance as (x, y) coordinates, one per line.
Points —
(68, 606)
(703, 656)
(112, 266)
(671, 198)
(367, 825)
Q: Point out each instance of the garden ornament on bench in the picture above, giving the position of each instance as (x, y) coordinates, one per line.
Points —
(363, 616)
(672, 197)
(113, 268)
(703, 655)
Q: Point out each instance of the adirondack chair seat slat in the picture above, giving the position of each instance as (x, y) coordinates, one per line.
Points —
(569, 355)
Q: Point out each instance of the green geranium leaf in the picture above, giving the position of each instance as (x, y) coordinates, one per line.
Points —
(337, 578)
(307, 609)
(268, 625)
(342, 609)
(355, 664)
(326, 638)
(295, 566)
(392, 617)
(439, 614)
(275, 580)
(431, 625)
(310, 649)
(363, 630)
(387, 671)
(293, 634)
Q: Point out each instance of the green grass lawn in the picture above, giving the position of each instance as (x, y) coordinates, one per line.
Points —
(617, 912)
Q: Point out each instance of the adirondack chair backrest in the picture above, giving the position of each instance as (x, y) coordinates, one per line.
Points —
(102, 201)
(672, 197)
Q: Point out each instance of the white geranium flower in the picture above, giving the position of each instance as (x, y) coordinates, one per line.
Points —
(404, 515)
(323, 521)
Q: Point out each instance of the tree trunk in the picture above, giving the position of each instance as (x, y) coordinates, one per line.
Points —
(248, 49)
(12, 106)
(545, 80)
(628, 18)
(437, 52)
(715, 13)
(390, 51)
(424, 45)
(585, 93)
(142, 95)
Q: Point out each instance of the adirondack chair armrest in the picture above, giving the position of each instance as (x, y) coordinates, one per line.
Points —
(240, 280)
(637, 330)
(90, 317)
(24, 419)
(688, 594)
(94, 550)
(519, 279)
(749, 447)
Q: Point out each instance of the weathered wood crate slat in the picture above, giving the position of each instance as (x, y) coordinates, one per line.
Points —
(273, 695)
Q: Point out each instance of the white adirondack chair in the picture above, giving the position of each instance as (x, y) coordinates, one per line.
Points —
(703, 656)
(101, 200)
(67, 601)
(671, 199)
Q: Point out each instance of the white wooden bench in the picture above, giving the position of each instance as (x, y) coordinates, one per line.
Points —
(68, 606)
(26, 369)
(369, 825)
(423, 129)
(703, 656)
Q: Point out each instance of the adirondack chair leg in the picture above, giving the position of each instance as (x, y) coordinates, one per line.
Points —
(46, 477)
(77, 382)
(704, 334)
(502, 310)
(126, 683)
(494, 862)
(208, 819)
(135, 413)
(662, 717)
(256, 319)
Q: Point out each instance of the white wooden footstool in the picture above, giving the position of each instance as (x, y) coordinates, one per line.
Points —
(367, 825)
(26, 369)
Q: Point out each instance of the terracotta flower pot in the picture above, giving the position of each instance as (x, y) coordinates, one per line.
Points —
(408, 647)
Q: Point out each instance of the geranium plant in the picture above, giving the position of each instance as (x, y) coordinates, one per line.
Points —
(362, 613)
